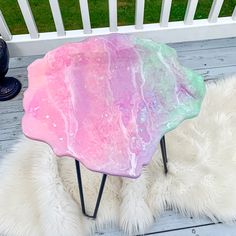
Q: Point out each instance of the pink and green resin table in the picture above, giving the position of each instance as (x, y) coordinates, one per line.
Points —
(108, 101)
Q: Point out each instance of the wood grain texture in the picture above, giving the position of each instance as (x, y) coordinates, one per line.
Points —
(203, 59)
(214, 59)
(19, 62)
(169, 220)
(208, 229)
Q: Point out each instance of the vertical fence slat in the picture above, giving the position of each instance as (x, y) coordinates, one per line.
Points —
(113, 15)
(215, 10)
(190, 12)
(28, 17)
(56, 13)
(85, 16)
(234, 14)
(165, 12)
(139, 13)
(4, 30)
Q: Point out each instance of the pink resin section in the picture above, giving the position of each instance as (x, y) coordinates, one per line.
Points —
(91, 101)
(81, 104)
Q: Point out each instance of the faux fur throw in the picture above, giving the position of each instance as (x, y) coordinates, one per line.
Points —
(39, 192)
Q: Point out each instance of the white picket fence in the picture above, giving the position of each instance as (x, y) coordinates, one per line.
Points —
(36, 43)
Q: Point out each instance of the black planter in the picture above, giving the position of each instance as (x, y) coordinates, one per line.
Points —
(9, 86)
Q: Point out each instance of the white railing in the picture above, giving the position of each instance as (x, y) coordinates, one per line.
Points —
(187, 30)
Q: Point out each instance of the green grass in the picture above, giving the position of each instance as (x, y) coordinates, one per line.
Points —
(99, 13)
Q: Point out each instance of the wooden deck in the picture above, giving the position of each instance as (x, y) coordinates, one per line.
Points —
(213, 59)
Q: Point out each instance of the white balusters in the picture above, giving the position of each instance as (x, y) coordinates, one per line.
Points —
(4, 30)
(190, 12)
(139, 13)
(165, 12)
(85, 16)
(56, 13)
(113, 15)
(28, 17)
(234, 14)
(215, 11)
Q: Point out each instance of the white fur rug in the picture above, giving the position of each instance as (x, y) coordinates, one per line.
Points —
(39, 194)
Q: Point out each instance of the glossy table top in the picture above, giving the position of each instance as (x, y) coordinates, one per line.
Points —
(107, 101)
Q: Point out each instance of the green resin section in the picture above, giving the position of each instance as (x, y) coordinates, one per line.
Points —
(180, 90)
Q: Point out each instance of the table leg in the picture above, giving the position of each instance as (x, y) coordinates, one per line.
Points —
(104, 177)
(164, 153)
(82, 194)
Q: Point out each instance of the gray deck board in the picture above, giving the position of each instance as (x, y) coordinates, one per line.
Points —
(214, 59)
(168, 221)
(202, 59)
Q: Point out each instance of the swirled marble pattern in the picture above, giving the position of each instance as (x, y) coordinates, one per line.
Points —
(107, 101)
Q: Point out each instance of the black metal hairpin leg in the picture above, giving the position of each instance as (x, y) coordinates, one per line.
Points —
(82, 194)
(104, 177)
(164, 153)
